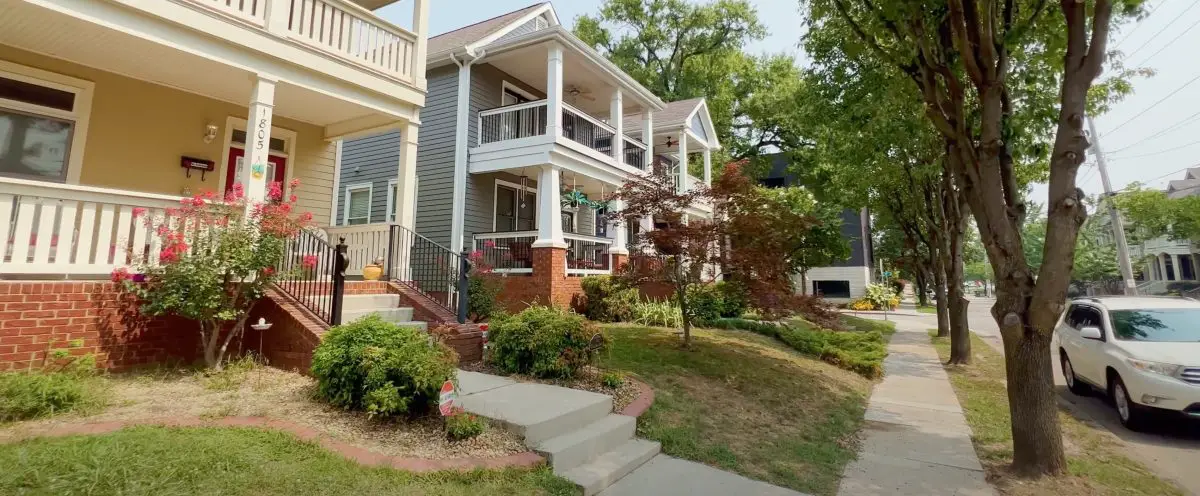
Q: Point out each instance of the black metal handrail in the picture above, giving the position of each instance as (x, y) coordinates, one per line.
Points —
(429, 268)
(313, 273)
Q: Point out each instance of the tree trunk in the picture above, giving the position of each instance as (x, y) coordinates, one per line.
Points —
(939, 292)
(804, 282)
(960, 333)
(922, 288)
(681, 295)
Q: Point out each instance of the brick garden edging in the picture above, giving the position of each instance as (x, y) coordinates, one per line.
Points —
(642, 403)
(349, 451)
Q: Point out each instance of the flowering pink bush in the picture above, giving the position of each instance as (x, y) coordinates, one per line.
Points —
(216, 260)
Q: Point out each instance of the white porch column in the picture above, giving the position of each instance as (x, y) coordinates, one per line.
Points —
(253, 175)
(620, 241)
(1162, 267)
(707, 167)
(648, 138)
(406, 181)
(1175, 265)
(549, 210)
(681, 186)
(421, 48)
(616, 117)
(1195, 268)
(554, 92)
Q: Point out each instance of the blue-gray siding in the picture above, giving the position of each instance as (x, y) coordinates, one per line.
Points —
(374, 160)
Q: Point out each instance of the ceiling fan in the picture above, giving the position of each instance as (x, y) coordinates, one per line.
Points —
(573, 92)
(671, 142)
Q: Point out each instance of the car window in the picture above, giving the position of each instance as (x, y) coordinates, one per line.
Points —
(1173, 325)
(1081, 316)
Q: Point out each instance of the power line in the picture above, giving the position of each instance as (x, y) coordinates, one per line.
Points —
(1147, 109)
(1140, 23)
(1169, 43)
(1160, 152)
(1164, 29)
(1148, 181)
(1186, 120)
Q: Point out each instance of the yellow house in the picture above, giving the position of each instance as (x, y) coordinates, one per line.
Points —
(111, 105)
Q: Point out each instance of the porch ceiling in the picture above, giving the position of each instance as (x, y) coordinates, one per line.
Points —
(35, 29)
(529, 65)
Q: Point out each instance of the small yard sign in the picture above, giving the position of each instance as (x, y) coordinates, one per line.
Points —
(447, 399)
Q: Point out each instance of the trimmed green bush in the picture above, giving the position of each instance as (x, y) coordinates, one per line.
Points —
(657, 314)
(607, 300)
(32, 395)
(705, 302)
(543, 342)
(859, 352)
(735, 297)
(381, 368)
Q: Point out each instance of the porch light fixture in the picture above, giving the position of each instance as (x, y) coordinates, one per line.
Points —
(210, 133)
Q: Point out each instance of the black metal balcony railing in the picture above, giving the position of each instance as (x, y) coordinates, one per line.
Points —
(635, 153)
(512, 122)
(313, 273)
(586, 130)
(588, 254)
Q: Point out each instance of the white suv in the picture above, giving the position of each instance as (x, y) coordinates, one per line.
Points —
(1144, 352)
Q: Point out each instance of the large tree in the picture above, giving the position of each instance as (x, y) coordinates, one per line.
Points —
(985, 72)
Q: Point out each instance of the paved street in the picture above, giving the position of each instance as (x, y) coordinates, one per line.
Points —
(1172, 449)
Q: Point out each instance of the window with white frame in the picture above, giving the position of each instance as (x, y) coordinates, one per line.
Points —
(39, 121)
(357, 209)
(393, 192)
(514, 210)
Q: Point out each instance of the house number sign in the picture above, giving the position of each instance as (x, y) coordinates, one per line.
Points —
(258, 169)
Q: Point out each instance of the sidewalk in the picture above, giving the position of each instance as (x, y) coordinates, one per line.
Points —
(916, 441)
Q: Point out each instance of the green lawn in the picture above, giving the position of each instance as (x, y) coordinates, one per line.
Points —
(886, 328)
(169, 461)
(927, 309)
(1095, 460)
(746, 403)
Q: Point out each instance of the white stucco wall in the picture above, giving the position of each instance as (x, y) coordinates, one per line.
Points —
(859, 277)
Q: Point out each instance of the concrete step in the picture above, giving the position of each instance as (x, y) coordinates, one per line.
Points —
(538, 412)
(362, 302)
(394, 314)
(610, 467)
(574, 448)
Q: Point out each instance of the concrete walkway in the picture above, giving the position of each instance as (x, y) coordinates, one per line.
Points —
(916, 441)
(588, 444)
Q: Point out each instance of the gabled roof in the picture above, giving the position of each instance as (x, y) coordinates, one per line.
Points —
(1181, 188)
(468, 35)
(1193, 173)
(678, 114)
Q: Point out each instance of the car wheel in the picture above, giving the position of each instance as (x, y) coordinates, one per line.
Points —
(1130, 413)
(1073, 383)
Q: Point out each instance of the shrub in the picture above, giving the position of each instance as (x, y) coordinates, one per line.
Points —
(881, 296)
(657, 314)
(543, 342)
(735, 297)
(606, 300)
(481, 297)
(612, 379)
(381, 368)
(815, 309)
(859, 352)
(463, 425)
(705, 302)
(26, 395)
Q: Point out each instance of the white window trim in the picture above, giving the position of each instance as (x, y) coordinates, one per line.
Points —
(346, 197)
(506, 86)
(496, 197)
(80, 116)
(239, 124)
(391, 204)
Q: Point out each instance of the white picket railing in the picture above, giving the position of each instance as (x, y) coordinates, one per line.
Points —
(60, 229)
(363, 244)
(340, 27)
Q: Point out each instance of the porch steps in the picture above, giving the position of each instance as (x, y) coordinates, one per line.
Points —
(387, 306)
(575, 430)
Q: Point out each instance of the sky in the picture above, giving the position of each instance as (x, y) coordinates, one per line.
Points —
(1167, 102)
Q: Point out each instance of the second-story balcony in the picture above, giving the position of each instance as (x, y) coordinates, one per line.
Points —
(527, 120)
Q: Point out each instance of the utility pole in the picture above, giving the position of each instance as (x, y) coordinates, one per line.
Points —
(1117, 224)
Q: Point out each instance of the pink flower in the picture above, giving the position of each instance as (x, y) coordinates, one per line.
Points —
(138, 212)
(306, 217)
(309, 261)
(275, 191)
(121, 274)
(489, 244)
(292, 199)
(210, 195)
(295, 183)
(269, 271)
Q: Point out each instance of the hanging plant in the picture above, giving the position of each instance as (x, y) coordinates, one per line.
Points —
(575, 199)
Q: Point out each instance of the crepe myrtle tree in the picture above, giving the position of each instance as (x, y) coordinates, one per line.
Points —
(217, 260)
(681, 253)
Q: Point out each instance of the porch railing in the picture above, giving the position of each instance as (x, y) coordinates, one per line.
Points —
(512, 122)
(586, 130)
(409, 259)
(507, 252)
(339, 27)
(313, 273)
(635, 153)
(588, 254)
(64, 230)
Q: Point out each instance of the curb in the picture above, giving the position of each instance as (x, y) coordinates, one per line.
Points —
(348, 451)
(642, 403)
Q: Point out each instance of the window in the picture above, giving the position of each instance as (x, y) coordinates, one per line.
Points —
(1081, 316)
(601, 222)
(512, 95)
(393, 191)
(568, 222)
(1166, 325)
(358, 205)
(275, 144)
(832, 289)
(39, 120)
(514, 211)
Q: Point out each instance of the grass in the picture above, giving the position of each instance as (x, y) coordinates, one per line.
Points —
(1093, 457)
(927, 309)
(173, 461)
(30, 395)
(860, 348)
(886, 328)
(745, 402)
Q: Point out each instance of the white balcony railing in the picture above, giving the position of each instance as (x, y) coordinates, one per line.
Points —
(61, 229)
(338, 27)
(512, 122)
(526, 120)
(586, 130)
(507, 252)
(588, 254)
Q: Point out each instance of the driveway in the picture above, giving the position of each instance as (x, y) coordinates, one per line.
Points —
(1171, 448)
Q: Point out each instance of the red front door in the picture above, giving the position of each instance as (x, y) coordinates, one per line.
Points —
(276, 168)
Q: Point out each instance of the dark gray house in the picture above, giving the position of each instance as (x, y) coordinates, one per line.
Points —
(847, 279)
(525, 133)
